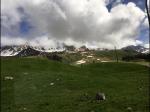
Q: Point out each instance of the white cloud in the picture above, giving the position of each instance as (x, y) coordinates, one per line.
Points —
(43, 41)
(9, 14)
(146, 45)
(138, 42)
(12, 41)
(76, 21)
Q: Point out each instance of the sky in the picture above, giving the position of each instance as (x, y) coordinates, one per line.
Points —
(94, 23)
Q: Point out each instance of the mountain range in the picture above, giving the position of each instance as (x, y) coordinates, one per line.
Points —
(138, 48)
(26, 50)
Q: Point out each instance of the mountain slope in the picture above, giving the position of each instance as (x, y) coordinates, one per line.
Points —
(25, 50)
(28, 52)
(139, 49)
(10, 50)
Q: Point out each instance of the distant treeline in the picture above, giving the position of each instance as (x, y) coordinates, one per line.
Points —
(140, 56)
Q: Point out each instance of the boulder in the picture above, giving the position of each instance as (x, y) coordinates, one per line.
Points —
(100, 96)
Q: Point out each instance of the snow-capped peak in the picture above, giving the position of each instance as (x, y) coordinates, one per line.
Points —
(15, 50)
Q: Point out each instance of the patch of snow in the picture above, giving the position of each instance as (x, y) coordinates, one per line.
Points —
(8, 52)
(80, 62)
(104, 61)
(50, 50)
(89, 56)
(146, 51)
(14, 50)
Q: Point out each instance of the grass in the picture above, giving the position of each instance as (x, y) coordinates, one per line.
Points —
(125, 85)
(111, 54)
(105, 55)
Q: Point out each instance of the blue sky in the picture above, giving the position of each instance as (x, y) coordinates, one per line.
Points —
(139, 3)
(33, 19)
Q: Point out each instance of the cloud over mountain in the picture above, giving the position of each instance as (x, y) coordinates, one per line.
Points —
(72, 22)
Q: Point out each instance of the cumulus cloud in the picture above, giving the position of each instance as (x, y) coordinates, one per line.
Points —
(146, 45)
(12, 41)
(138, 42)
(74, 22)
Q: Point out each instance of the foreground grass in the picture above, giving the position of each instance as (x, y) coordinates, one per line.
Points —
(40, 85)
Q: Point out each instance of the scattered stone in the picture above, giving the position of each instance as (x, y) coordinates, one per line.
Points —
(129, 109)
(100, 96)
(24, 108)
(8, 78)
(25, 73)
(52, 84)
(57, 79)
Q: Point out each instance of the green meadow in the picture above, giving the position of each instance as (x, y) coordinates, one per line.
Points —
(41, 85)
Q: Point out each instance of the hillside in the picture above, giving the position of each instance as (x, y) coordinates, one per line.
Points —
(41, 85)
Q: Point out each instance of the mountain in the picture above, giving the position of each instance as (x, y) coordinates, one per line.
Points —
(26, 50)
(10, 50)
(139, 49)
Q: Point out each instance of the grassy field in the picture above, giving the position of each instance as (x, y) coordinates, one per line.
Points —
(41, 85)
(97, 56)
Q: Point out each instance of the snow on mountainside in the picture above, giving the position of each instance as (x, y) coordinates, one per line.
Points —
(139, 49)
(48, 49)
(28, 52)
(10, 50)
(25, 50)
(146, 51)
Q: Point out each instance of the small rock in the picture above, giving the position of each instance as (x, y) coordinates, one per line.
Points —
(129, 108)
(52, 84)
(57, 79)
(8, 78)
(24, 108)
(25, 73)
(100, 96)
(92, 111)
